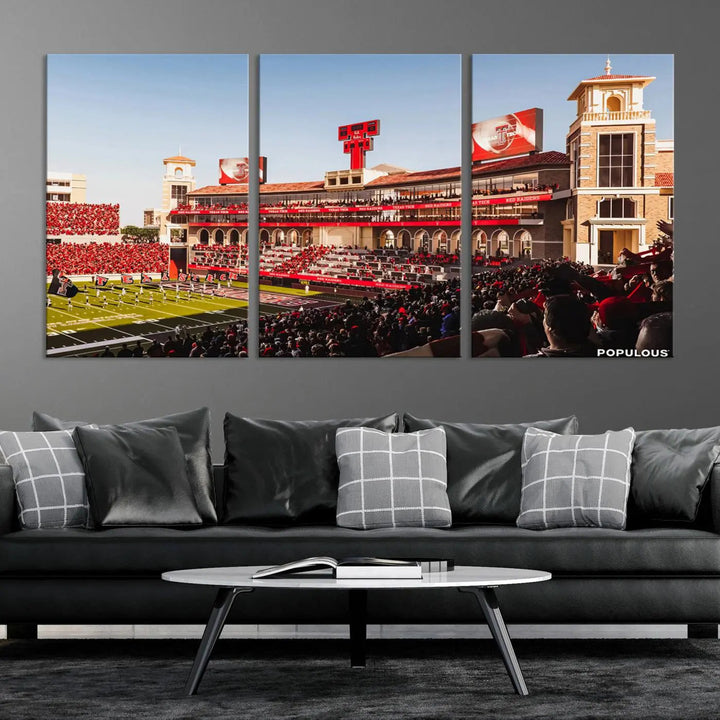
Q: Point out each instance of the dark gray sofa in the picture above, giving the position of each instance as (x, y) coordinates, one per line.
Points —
(77, 576)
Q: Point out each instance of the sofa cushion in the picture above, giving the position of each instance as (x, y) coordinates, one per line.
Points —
(669, 472)
(136, 476)
(42, 422)
(49, 478)
(483, 463)
(575, 480)
(193, 428)
(283, 471)
(392, 479)
(580, 551)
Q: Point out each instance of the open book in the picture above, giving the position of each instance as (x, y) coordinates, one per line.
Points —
(352, 568)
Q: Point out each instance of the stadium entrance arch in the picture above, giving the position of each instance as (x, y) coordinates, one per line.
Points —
(523, 241)
(479, 242)
(500, 243)
(440, 241)
(387, 239)
(422, 241)
(404, 239)
(454, 246)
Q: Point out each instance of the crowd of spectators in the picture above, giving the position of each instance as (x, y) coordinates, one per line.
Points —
(105, 257)
(223, 256)
(564, 309)
(392, 322)
(212, 342)
(64, 218)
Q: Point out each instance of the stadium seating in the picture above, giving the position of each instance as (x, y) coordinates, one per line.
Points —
(105, 257)
(63, 218)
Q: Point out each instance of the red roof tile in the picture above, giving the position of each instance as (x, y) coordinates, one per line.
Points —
(451, 173)
(545, 159)
(179, 158)
(665, 179)
(242, 188)
(525, 162)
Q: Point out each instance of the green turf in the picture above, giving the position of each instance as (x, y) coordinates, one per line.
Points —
(82, 317)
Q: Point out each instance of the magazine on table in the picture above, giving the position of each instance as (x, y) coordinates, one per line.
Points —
(359, 568)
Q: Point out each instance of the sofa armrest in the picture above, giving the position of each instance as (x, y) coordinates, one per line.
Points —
(715, 496)
(7, 500)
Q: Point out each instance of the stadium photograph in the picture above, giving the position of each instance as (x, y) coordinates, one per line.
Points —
(573, 188)
(364, 209)
(117, 281)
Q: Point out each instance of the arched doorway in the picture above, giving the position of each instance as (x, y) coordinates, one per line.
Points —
(307, 238)
(234, 238)
(278, 236)
(454, 246)
(293, 236)
(264, 236)
(204, 237)
(387, 239)
(422, 241)
(243, 237)
(440, 241)
(500, 241)
(404, 239)
(523, 241)
(219, 237)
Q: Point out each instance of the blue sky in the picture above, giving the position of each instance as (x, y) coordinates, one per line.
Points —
(114, 117)
(305, 98)
(507, 83)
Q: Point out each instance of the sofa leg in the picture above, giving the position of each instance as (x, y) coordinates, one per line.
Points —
(22, 631)
(699, 631)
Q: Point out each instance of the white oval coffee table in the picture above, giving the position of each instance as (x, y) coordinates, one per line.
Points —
(480, 581)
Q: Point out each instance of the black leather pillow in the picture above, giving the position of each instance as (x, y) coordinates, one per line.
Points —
(483, 463)
(285, 471)
(193, 428)
(136, 476)
(670, 469)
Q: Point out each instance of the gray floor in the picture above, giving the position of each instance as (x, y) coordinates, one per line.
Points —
(153, 632)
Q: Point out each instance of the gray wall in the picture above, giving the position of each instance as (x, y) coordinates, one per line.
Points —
(644, 393)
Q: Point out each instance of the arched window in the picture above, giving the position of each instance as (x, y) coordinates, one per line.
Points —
(614, 104)
(234, 237)
(204, 237)
(219, 237)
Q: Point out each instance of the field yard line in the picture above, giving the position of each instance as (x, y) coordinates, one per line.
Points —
(94, 322)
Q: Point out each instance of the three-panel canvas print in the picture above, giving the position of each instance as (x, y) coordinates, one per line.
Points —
(358, 207)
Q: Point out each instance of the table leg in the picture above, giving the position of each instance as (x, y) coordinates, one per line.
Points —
(221, 608)
(357, 604)
(488, 603)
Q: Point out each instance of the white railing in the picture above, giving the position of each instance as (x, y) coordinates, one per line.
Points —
(620, 115)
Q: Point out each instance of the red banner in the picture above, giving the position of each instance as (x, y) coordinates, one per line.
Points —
(514, 134)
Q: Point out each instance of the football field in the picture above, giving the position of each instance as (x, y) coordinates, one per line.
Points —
(108, 316)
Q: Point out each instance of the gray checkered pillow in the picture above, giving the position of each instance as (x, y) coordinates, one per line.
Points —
(392, 479)
(49, 478)
(575, 480)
